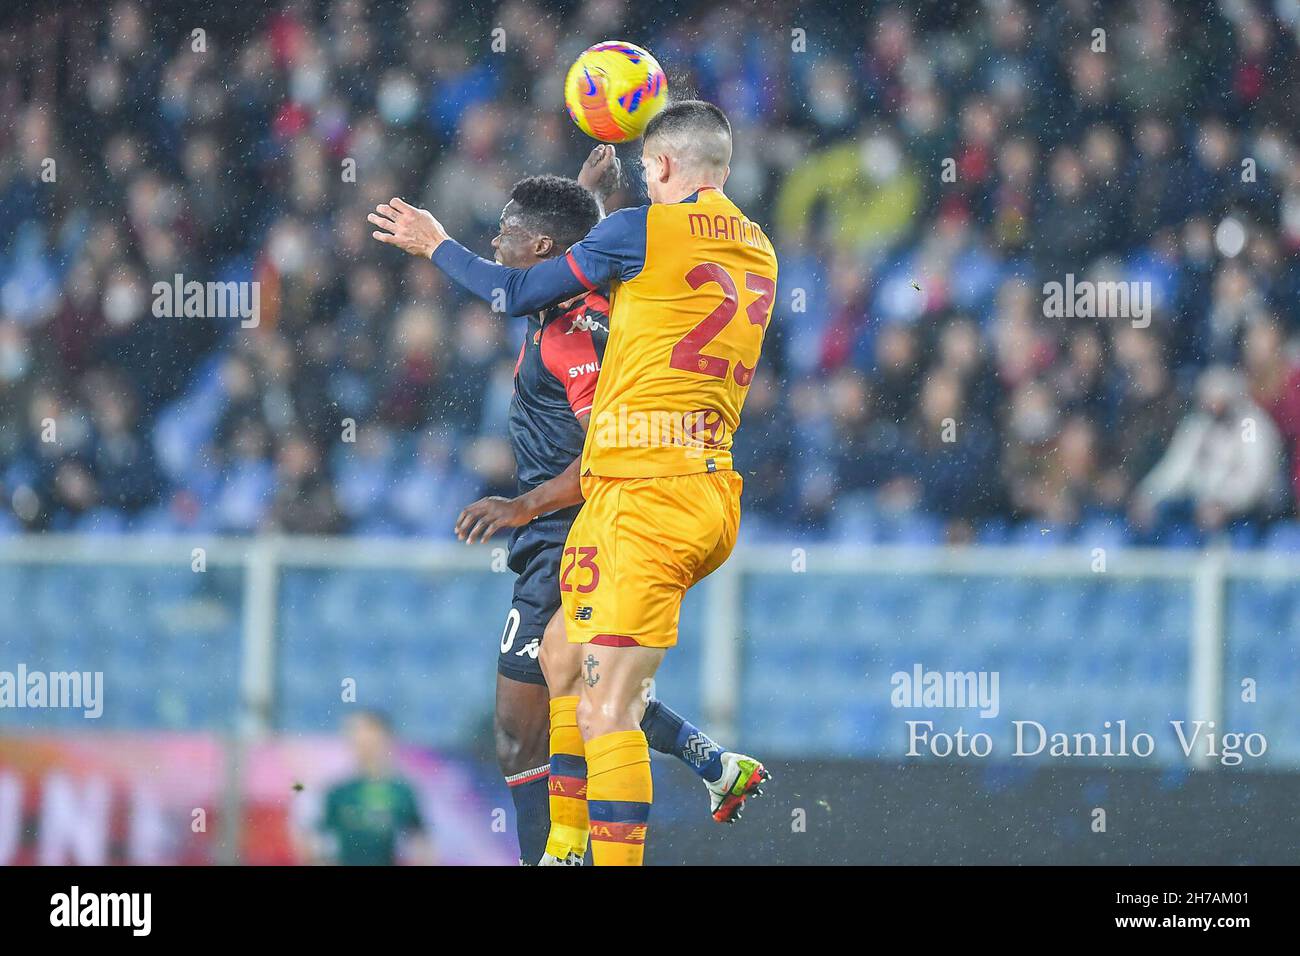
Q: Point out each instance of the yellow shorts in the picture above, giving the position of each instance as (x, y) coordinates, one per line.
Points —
(636, 546)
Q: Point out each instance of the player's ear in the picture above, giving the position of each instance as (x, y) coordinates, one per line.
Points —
(542, 246)
(725, 173)
(659, 171)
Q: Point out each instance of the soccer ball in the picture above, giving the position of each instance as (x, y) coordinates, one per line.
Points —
(613, 90)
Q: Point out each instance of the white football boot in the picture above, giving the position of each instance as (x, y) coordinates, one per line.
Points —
(742, 777)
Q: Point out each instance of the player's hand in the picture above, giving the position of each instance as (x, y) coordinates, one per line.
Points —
(487, 516)
(410, 229)
(600, 173)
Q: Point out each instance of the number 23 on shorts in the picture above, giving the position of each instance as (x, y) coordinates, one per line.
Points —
(587, 576)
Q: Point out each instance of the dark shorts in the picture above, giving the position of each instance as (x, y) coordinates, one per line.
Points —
(535, 557)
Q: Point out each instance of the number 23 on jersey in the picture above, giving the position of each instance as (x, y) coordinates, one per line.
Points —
(691, 353)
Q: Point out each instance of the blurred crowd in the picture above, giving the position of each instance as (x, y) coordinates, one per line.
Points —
(924, 170)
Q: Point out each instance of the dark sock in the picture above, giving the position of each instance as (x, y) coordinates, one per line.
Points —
(669, 733)
(532, 812)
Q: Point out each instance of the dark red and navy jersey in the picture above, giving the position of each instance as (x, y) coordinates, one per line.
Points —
(555, 384)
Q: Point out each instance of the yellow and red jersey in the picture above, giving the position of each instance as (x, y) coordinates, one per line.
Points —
(691, 286)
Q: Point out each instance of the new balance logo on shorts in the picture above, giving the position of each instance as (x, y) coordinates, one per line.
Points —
(583, 613)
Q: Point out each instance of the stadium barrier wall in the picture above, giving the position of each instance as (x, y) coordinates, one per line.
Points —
(800, 650)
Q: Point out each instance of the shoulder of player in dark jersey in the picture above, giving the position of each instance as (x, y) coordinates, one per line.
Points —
(572, 345)
(594, 303)
(587, 313)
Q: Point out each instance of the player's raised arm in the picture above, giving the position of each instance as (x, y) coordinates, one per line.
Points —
(614, 249)
(416, 232)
